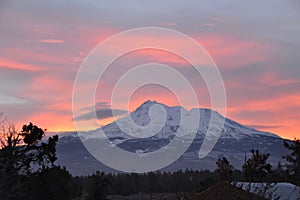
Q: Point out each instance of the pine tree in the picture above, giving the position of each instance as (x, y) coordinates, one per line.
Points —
(97, 187)
(293, 159)
(224, 169)
(256, 168)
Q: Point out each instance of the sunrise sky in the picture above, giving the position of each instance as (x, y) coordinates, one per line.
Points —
(255, 44)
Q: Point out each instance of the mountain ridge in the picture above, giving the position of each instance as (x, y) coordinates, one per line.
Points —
(235, 142)
(145, 107)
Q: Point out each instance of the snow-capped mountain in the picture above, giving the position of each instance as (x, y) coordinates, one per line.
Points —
(141, 117)
(235, 141)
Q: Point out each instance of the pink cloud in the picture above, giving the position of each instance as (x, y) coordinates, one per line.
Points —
(228, 51)
(10, 64)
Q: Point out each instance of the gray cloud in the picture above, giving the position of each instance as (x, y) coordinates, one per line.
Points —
(98, 105)
(101, 114)
(262, 127)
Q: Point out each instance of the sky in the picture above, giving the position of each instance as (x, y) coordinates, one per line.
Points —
(255, 45)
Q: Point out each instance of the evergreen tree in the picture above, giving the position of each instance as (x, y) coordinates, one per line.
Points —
(256, 168)
(280, 174)
(97, 187)
(224, 169)
(51, 184)
(293, 159)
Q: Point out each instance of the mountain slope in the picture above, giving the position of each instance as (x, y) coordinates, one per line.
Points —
(235, 141)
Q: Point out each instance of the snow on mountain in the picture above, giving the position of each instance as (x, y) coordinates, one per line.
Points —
(141, 117)
(236, 140)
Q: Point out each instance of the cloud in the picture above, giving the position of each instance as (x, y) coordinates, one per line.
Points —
(209, 24)
(11, 100)
(263, 127)
(98, 105)
(257, 53)
(170, 24)
(101, 114)
(6, 63)
(52, 41)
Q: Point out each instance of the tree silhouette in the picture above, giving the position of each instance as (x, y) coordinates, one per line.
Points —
(10, 181)
(31, 134)
(280, 173)
(224, 169)
(97, 187)
(256, 168)
(51, 184)
(21, 154)
(293, 159)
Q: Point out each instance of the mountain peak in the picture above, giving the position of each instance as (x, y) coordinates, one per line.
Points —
(174, 114)
(150, 102)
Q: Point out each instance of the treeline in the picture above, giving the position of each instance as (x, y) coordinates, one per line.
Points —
(255, 169)
(28, 171)
(160, 182)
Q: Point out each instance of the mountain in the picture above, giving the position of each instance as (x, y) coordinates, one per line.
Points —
(235, 142)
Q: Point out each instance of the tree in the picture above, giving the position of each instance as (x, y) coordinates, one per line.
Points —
(51, 184)
(256, 168)
(97, 187)
(41, 154)
(224, 169)
(21, 154)
(280, 173)
(10, 180)
(25, 152)
(293, 159)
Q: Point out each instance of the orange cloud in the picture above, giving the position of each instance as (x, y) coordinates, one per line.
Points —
(279, 115)
(52, 41)
(150, 92)
(51, 121)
